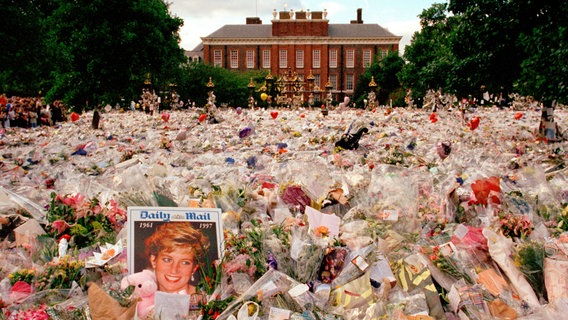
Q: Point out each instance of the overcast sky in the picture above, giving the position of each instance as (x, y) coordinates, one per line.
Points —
(203, 17)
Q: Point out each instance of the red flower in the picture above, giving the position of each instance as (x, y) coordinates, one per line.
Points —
(65, 236)
(485, 189)
(50, 183)
(60, 226)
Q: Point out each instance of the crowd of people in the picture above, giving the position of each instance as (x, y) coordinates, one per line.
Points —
(30, 112)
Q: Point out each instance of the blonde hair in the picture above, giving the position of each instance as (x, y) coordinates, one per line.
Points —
(171, 236)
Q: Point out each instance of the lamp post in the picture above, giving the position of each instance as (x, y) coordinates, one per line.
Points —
(373, 103)
(310, 78)
(211, 97)
(328, 98)
(269, 80)
(251, 98)
(317, 93)
(210, 84)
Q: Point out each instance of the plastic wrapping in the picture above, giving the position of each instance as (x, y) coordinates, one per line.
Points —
(499, 248)
(399, 198)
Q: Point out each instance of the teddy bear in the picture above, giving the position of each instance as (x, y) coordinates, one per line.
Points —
(145, 287)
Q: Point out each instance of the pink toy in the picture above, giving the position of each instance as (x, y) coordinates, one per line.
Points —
(145, 287)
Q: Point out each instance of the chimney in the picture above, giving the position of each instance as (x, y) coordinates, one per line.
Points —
(254, 20)
(359, 17)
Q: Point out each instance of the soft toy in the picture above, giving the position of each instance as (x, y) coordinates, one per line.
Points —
(145, 287)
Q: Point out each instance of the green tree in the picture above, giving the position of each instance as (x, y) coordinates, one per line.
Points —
(24, 61)
(385, 71)
(544, 72)
(103, 49)
(484, 41)
(429, 57)
(230, 86)
(544, 43)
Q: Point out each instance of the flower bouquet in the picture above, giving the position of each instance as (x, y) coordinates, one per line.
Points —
(86, 222)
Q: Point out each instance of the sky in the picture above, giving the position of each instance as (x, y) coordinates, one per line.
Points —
(203, 17)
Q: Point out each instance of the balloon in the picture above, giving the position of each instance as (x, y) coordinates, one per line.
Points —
(274, 114)
(263, 96)
(74, 116)
(473, 123)
(444, 149)
(165, 116)
(518, 115)
(202, 117)
(239, 110)
(108, 108)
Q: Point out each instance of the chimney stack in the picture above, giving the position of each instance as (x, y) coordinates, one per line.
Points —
(359, 17)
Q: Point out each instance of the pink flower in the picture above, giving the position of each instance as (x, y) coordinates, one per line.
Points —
(74, 201)
(97, 209)
(60, 225)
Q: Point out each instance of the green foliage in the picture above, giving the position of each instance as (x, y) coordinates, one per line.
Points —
(230, 86)
(102, 50)
(23, 59)
(501, 45)
(385, 71)
(483, 41)
(529, 257)
(429, 57)
(545, 69)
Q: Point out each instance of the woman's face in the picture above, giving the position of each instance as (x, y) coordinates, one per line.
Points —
(174, 269)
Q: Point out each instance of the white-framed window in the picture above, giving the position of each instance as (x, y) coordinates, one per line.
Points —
(366, 58)
(250, 59)
(349, 81)
(384, 53)
(283, 59)
(333, 81)
(234, 58)
(217, 58)
(317, 80)
(350, 58)
(266, 59)
(316, 59)
(299, 58)
(333, 58)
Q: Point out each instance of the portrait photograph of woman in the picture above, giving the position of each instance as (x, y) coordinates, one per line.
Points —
(175, 249)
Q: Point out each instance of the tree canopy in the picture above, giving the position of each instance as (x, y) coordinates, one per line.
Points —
(88, 52)
(24, 59)
(102, 49)
(500, 45)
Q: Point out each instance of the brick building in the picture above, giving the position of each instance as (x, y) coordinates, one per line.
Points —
(303, 44)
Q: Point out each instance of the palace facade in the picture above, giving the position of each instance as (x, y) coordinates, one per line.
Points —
(301, 46)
